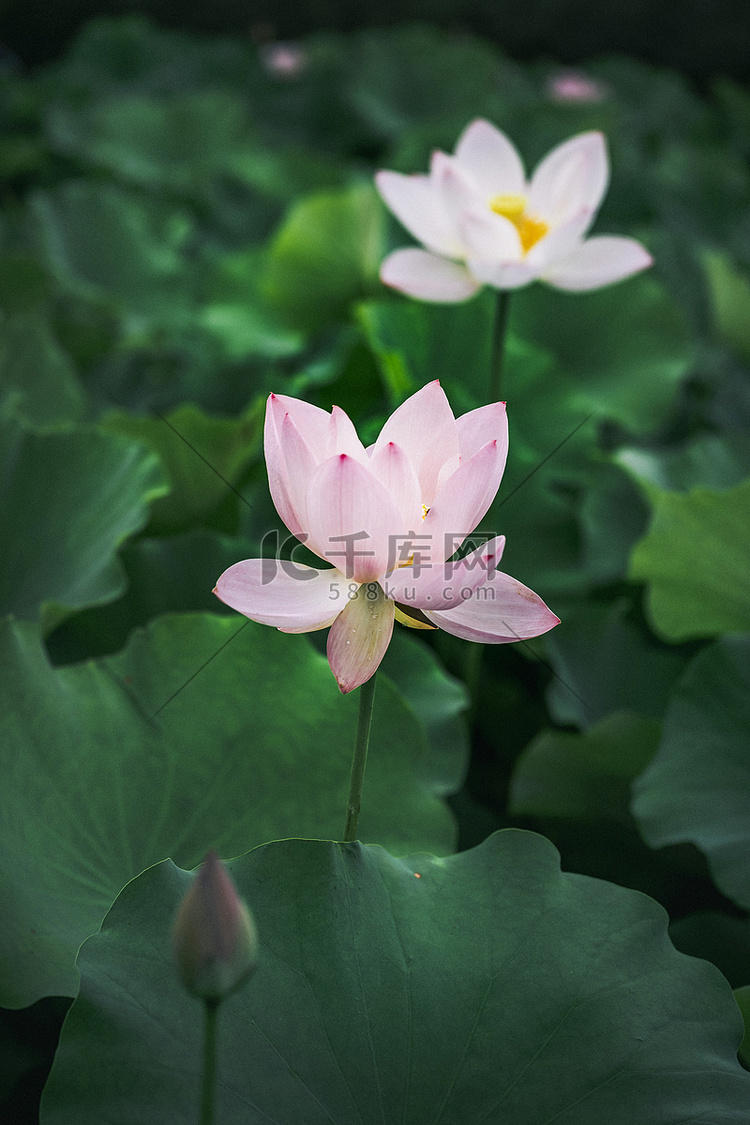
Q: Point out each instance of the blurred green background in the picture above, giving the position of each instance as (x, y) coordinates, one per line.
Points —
(703, 38)
(184, 228)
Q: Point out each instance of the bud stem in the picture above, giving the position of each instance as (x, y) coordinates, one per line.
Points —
(359, 759)
(499, 330)
(208, 1084)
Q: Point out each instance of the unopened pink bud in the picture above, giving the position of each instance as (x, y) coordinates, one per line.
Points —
(214, 939)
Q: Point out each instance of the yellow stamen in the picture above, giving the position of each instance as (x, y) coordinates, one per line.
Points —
(513, 207)
(530, 230)
(509, 206)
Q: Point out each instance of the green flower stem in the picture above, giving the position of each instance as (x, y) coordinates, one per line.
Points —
(498, 344)
(208, 1084)
(473, 662)
(359, 760)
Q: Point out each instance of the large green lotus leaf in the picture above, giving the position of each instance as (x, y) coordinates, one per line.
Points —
(438, 700)
(165, 574)
(576, 787)
(584, 775)
(613, 515)
(717, 461)
(742, 996)
(237, 317)
(106, 244)
(205, 731)
(175, 143)
(69, 499)
(129, 57)
(198, 144)
(283, 174)
(245, 330)
(177, 573)
(488, 987)
(605, 661)
(695, 559)
(697, 788)
(325, 255)
(37, 378)
(624, 348)
(204, 457)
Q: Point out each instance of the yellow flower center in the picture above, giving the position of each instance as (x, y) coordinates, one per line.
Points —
(513, 207)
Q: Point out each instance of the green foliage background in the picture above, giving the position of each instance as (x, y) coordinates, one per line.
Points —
(183, 230)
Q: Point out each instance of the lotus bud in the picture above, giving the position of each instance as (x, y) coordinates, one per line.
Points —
(214, 939)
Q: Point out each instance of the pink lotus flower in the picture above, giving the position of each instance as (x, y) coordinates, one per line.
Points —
(388, 518)
(482, 223)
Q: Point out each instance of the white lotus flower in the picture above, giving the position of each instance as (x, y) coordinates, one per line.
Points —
(482, 223)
